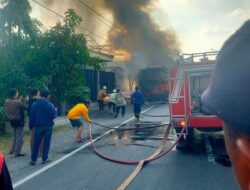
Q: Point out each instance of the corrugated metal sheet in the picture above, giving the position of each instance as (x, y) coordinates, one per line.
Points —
(91, 80)
(94, 82)
(107, 79)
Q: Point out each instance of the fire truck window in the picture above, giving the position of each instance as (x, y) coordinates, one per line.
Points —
(198, 85)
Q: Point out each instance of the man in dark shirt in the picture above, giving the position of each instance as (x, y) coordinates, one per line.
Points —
(42, 114)
(5, 180)
(35, 95)
(15, 109)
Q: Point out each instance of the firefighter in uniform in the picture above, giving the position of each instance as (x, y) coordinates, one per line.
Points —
(228, 97)
(5, 180)
(137, 101)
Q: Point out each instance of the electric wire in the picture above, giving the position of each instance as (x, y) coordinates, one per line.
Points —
(100, 15)
(92, 33)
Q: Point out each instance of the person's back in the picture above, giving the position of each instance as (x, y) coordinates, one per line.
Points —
(119, 99)
(112, 97)
(79, 110)
(15, 114)
(34, 97)
(101, 95)
(43, 113)
(41, 118)
(14, 108)
(74, 116)
(137, 101)
(112, 102)
(120, 103)
(137, 98)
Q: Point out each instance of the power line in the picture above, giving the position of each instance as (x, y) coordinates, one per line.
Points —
(59, 15)
(91, 39)
(99, 14)
(107, 22)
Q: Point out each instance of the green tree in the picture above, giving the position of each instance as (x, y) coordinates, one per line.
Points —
(14, 18)
(58, 58)
(16, 31)
(54, 59)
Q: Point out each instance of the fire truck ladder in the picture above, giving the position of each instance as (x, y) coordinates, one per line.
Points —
(176, 98)
(186, 59)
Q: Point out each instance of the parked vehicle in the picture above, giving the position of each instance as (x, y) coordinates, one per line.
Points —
(187, 81)
(153, 83)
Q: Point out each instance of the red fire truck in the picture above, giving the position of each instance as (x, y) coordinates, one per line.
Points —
(187, 80)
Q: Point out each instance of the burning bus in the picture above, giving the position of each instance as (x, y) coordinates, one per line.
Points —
(153, 83)
(187, 80)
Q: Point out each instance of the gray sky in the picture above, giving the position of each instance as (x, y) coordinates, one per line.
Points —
(201, 25)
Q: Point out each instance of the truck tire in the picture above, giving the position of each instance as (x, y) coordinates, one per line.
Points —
(187, 142)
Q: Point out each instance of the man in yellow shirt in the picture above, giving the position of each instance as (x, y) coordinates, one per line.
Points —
(75, 115)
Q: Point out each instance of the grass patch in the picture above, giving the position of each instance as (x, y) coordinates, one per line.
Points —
(6, 139)
(5, 143)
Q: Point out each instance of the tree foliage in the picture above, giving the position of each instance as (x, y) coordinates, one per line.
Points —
(15, 18)
(54, 59)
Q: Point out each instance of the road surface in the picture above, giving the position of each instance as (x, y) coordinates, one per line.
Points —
(192, 169)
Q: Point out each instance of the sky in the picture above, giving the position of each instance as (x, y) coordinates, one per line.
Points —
(200, 25)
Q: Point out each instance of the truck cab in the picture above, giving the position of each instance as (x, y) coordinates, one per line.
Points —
(188, 79)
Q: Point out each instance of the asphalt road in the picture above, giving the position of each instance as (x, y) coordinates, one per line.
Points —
(192, 169)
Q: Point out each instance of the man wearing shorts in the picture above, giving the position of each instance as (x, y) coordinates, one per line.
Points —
(75, 115)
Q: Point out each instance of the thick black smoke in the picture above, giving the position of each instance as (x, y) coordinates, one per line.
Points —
(132, 29)
(135, 31)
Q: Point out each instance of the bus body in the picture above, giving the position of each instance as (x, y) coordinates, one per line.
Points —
(153, 83)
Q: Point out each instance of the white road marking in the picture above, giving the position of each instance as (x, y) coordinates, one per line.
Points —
(27, 178)
(210, 154)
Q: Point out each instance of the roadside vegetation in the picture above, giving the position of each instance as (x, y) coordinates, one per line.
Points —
(34, 57)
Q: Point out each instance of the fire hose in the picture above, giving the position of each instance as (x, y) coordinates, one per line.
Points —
(129, 128)
(155, 115)
(157, 154)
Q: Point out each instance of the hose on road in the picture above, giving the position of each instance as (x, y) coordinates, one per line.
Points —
(130, 128)
(149, 115)
(157, 154)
